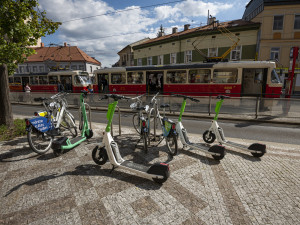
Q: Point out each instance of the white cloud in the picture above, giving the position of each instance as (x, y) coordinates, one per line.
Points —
(87, 33)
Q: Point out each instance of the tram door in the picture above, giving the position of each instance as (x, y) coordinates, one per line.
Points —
(154, 81)
(103, 84)
(254, 82)
(66, 81)
(25, 80)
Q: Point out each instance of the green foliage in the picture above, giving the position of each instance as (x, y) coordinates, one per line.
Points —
(17, 130)
(21, 25)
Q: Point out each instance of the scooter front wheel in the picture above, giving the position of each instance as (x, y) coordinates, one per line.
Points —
(145, 141)
(209, 137)
(172, 144)
(99, 155)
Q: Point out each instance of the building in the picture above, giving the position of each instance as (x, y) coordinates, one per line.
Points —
(279, 32)
(126, 54)
(58, 58)
(184, 46)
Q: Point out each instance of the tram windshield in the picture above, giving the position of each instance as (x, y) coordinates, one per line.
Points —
(275, 77)
(82, 79)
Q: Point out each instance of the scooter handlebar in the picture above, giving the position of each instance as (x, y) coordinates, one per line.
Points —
(185, 96)
(114, 96)
(222, 96)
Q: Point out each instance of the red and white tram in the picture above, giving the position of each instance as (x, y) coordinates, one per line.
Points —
(73, 81)
(237, 78)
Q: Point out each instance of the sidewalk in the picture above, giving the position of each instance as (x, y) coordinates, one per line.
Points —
(72, 189)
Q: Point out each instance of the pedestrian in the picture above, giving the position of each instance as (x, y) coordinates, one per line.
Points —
(104, 84)
(27, 88)
(90, 88)
(60, 87)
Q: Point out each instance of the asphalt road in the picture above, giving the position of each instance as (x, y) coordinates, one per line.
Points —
(280, 133)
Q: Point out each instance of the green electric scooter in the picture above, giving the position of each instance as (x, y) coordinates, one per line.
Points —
(64, 143)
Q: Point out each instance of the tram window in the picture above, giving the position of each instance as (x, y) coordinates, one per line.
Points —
(33, 80)
(43, 80)
(10, 80)
(225, 76)
(176, 77)
(135, 77)
(53, 79)
(199, 76)
(17, 80)
(118, 78)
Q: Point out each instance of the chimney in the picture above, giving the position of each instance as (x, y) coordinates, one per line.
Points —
(186, 26)
(65, 44)
(211, 20)
(174, 30)
(42, 44)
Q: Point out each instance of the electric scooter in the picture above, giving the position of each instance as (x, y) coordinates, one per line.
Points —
(108, 149)
(64, 143)
(217, 151)
(209, 136)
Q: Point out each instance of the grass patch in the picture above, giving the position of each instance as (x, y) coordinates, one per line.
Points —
(17, 130)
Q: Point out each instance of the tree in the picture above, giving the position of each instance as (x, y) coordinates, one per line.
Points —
(21, 25)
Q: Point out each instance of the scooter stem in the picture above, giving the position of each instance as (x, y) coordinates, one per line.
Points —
(182, 110)
(110, 114)
(217, 109)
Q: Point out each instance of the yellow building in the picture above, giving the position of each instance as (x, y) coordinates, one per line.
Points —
(279, 32)
(184, 46)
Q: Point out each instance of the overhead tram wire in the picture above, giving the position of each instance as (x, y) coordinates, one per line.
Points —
(124, 10)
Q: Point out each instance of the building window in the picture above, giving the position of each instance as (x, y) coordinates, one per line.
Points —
(91, 68)
(173, 58)
(236, 53)
(212, 52)
(41, 68)
(149, 61)
(22, 69)
(274, 53)
(34, 69)
(74, 67)
(81, 67)
(161, 60)
(188, 56)
(278, 23)
(297, 22)
(139, 62)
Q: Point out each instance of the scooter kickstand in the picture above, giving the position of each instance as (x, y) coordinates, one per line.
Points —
(112, 169)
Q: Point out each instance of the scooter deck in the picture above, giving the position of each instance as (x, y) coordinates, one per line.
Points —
(76, 139)
(135, 166)
(200, 146)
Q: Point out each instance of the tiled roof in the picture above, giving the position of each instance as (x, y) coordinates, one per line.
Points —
(61, 54)
(228, 25)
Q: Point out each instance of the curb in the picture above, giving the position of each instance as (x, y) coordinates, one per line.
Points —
(194, 115)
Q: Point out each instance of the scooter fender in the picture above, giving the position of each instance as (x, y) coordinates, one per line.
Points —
(41, 123)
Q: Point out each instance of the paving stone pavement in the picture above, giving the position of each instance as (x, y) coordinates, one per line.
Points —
(72, 189)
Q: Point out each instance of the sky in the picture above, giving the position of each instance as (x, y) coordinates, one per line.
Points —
(102, 28)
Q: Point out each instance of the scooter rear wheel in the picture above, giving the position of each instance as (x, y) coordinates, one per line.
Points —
(99, 155)
(209, 137)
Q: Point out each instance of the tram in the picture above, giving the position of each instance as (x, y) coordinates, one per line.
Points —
(73, 81)
(235, 78)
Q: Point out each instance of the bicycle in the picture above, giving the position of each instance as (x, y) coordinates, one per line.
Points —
(143, 126)
(49, 122)
(168, 127)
